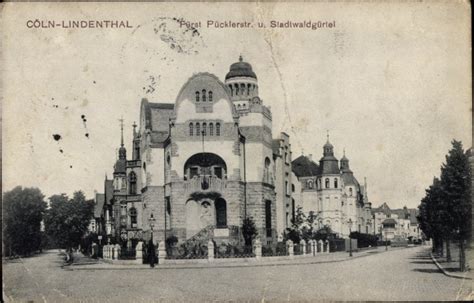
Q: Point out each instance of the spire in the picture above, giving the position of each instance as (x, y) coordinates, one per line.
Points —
(328, 149)
(121, 131)
(122, 151)
(240, 58)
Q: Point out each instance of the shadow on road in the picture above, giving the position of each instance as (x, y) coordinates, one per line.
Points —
(428, 270)
(422, 262)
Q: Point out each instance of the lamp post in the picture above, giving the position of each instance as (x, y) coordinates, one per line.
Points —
(151, 250)
(350, 240)
(386, 246)
(152, 224)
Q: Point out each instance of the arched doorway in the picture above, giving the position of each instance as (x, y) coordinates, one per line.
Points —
(221, 213)
(206, 165)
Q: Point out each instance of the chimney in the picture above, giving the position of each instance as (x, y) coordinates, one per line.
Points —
(310, 157)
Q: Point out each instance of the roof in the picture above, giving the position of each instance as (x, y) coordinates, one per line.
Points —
(157, 116)
(329, 165)
(349, 179)
(99, 204)
(240, 69)
(304, 167)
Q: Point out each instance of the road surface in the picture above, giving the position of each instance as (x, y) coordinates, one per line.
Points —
(403, 274)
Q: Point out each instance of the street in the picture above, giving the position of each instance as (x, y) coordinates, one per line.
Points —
(403, 274)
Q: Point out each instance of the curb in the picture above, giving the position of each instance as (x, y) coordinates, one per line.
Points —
(445, 272)
(230, 265)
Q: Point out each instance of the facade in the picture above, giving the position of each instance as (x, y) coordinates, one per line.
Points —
(331, 191)
(404, 221)
(201, 165)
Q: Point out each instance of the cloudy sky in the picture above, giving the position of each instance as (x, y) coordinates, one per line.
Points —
(391, 83)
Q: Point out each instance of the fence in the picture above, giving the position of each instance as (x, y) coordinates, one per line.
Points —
(144, 254)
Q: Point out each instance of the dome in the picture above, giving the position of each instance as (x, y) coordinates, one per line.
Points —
(240, 69)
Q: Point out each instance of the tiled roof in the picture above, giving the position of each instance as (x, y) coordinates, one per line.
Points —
(157, 117)
(304, 167)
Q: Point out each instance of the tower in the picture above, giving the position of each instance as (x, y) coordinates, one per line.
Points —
(329, 183)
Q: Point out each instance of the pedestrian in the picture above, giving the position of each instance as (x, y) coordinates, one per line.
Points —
(151, 253)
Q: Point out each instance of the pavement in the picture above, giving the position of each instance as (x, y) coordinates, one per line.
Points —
(84, 263)
(401, 274)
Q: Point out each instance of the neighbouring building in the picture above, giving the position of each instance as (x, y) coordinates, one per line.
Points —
(396, 223)
(331, 191)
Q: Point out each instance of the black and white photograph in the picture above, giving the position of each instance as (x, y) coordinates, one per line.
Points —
(236, 151)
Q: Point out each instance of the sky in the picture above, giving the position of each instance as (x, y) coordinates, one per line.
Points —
(390, 82)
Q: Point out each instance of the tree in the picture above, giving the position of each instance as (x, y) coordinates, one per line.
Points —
(23, 210)
(67, 219)
(249, 231)
(295, 232)
(445, 211)
(456, 194)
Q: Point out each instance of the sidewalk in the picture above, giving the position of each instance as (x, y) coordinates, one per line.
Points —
(264, 261)
(451, 269)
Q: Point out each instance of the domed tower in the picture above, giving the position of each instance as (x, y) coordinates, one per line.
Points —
(330, 189)
(257, 164)
(242, 83)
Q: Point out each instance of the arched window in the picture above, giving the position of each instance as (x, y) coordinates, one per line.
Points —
(133, 217)
(203, 95)
(210, 96)
(350, 191)
(310, 184)
(327, 183)
(132, 178)
(197, 96)
(218, 129)
(198, 129)
(144, 172)
(266, 171)
(204, 126)
(221, 213)
(335, 182)
(191, 129)
(211, 129)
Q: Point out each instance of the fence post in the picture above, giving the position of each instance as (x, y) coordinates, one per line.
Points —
(258, 249)
(321, 245)
(139, 250)
(303, 246)
(327, 246)
(161, 252)
(210, 250)
(290, 248)
(117, 252)
(310, 246)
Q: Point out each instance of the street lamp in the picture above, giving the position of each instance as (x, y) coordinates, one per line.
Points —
(151, 250)
(350, 240)
(152, 224)
(386, 246)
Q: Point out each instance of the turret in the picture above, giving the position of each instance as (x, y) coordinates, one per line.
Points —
(242, 83)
